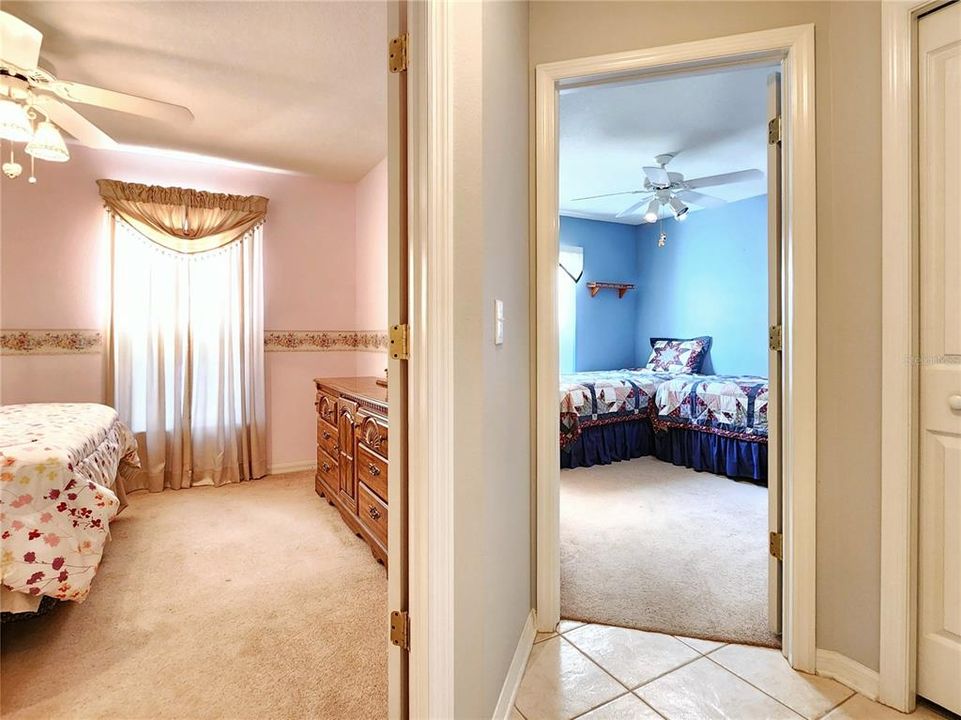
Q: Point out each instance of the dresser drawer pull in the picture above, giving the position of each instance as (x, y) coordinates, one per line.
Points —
(373, 469)
(325, 467)
(326, 435)
(373, 512)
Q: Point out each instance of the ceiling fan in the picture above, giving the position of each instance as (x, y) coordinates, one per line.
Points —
(670, 189)
(32, 110)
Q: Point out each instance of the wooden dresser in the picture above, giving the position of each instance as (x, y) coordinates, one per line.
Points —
(352, 455)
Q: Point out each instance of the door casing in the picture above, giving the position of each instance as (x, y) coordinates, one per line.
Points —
(793, 47)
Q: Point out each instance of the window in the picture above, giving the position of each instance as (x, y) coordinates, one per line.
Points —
(569, 271)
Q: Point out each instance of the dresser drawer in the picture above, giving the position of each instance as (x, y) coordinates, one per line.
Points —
(372, 513)
(327, 438)
(372, 470)
(372, 433)
(327, 469)
(326, 407)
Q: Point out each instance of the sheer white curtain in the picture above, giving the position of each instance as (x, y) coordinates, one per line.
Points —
(569, 271)
(187, 358)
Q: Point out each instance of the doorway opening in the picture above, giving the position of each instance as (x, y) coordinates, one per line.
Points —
(666, 293)
(653, 512)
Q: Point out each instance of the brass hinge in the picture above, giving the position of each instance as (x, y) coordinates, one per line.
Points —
(397, 54)
(400, 629)
(400, 342)
(774, 340)
(774, 130)
(776, 543)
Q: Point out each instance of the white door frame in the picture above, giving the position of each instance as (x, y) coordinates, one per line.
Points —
(794, 47)
(430, 368)
(899, 349)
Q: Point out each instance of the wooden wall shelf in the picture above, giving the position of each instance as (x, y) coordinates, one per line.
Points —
(621, 288)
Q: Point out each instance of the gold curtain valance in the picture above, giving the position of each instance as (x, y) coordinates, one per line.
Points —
(186, 221)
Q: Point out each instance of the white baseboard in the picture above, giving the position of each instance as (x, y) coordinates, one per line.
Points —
(281, 468)
(848, 672)
(515, 672)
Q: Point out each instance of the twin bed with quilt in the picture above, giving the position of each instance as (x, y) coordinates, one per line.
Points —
(715, 423)
(60, 487)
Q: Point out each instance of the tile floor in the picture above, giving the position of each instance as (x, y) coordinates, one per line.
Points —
(599, 672)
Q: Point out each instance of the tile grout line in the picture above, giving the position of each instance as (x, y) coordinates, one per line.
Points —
(664, 674)
(603, 669)
(647, 704)
(590, 710)
(646, 682)
(705, 654)
(760, 690)
(824, 715)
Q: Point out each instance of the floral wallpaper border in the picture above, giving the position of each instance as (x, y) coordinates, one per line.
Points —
(325, 340)
(87, 342)
(50, 342)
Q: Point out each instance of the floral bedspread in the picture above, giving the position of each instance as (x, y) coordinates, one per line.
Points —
(726, 405)
(605, 396)
(58, 462)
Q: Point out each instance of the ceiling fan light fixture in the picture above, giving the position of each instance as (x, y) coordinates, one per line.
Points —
(652, 213)
(679, 208)
(48, 144)
(14, 123)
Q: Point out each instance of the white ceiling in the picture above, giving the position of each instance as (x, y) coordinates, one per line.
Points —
(294, 85)
(716, 123)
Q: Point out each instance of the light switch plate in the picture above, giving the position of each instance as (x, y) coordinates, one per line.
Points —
(498, 322)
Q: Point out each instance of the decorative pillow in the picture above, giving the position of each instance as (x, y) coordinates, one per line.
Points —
(675, 355)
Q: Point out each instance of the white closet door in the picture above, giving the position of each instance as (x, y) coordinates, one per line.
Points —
(939, 568)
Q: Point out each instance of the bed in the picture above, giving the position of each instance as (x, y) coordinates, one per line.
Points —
(59, 490)
(713, 423)
(716, 423)
(605, 415)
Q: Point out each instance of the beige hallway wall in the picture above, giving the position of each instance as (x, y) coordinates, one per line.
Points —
(849, 260)
(492, 512)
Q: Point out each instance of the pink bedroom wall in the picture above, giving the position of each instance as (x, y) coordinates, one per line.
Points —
(54, 263)
(371, 295)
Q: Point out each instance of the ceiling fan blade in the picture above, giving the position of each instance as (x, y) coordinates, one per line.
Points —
(724, 179)
(633, 208)
(19, 42)
(113, 100)
(74, 123)
(700, 199)
(594, 197)
(658, 176)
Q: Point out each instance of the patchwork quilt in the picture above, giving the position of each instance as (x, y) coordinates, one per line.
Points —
(58, 463)
(727, 405)
(603, 397)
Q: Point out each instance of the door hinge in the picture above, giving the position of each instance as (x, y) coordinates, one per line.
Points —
(774, 130)
(776, 543)
(400, 629)
(397, 54)
(400, 342)
(774, 340)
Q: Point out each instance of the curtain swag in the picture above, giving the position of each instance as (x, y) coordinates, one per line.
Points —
(186, 221)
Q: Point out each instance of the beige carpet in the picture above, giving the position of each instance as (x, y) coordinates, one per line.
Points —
(245, 601)
(648, 545)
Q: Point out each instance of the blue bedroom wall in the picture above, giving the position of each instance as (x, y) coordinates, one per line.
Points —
(710, 279)
(606, 325)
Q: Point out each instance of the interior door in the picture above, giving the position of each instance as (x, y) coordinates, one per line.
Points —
(939, 477)
(774, 568)
(397, 314)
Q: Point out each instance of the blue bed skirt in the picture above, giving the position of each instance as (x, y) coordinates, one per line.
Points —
(713, 453)
(604, 444)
